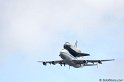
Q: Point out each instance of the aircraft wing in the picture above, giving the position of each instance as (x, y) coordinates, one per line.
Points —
(53, 62)
(91, 61)
(99, 61)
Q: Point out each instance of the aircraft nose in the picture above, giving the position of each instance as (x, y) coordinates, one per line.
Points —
(62, 56)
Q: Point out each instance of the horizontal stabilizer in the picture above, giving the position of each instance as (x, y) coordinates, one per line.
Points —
(90, 64)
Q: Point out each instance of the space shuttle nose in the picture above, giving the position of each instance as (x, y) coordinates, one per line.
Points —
(65, 46)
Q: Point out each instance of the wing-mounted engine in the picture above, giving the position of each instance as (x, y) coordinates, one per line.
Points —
(100, 62)
(53, 62)
(44, 63)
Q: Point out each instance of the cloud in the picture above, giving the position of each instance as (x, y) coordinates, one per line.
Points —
(38, 28)
(30, 24)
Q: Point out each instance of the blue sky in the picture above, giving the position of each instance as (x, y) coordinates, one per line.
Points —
(33, 30)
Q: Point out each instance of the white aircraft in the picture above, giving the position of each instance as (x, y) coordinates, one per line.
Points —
(71, 60)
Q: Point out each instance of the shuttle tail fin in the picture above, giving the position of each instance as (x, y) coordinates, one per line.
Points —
(76, 44)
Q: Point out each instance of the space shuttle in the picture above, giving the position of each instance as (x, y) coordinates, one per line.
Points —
(72, 49)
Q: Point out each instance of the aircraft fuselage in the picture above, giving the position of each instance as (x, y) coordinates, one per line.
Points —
(67, 58)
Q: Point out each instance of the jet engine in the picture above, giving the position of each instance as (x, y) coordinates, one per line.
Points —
(53, 62)
(85, 62)
(100, 62)
(44, 63)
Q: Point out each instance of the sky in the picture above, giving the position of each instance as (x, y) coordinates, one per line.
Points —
(33, 30)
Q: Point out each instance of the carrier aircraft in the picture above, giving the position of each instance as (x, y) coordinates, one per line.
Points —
(70, 56)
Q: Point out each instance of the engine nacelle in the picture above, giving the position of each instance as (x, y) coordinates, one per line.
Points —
(100, 62)
(44, 63)
(53, 62)
(85, 62)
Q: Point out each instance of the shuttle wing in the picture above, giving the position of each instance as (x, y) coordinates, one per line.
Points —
(82, 54)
